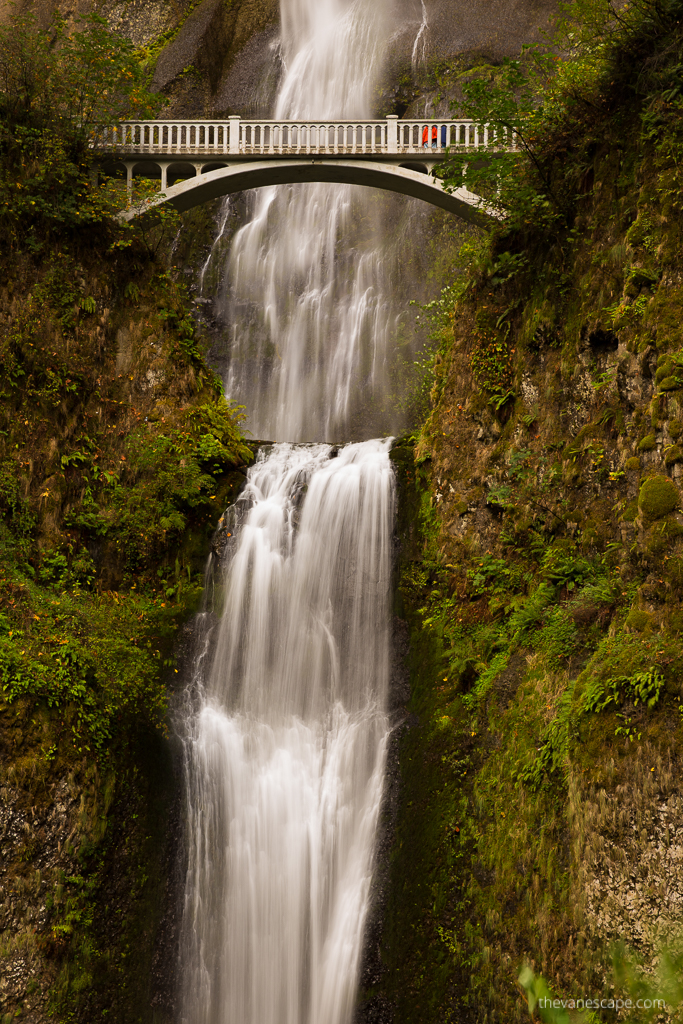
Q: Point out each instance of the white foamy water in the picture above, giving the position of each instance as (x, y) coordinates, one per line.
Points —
(305, 293)
(285, 742)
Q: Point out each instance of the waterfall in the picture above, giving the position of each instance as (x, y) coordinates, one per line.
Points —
(305, 292)
(285, 737)
(420, 44)
(285, 727)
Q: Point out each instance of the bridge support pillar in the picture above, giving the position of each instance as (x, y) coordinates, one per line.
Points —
(129, 180)
(164, 166)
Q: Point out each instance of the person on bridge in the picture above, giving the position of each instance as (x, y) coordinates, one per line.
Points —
(444, 136)
(435, 136)
(425, 136)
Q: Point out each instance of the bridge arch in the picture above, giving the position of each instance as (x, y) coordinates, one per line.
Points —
(238, 177)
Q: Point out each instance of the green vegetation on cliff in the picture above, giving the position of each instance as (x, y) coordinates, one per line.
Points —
(543, 820)
(117, 451)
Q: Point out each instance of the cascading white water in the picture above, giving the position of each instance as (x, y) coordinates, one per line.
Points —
(421, 39)
(285, 743)
(285, 729)
(305, 289)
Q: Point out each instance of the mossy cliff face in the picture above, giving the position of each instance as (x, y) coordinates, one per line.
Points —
(541, 816)
(117, 454)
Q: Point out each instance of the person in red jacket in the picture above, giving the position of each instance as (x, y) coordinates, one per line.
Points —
(425, 136)
(435, 136)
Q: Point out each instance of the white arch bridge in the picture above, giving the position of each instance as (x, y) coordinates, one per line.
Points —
(200, 160)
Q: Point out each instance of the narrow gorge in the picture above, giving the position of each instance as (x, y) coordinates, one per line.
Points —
(341, 587)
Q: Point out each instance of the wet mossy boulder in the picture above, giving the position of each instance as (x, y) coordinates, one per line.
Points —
(658, 497)
(638, 620)
(664, 369)
(673, 454)
(647, 443)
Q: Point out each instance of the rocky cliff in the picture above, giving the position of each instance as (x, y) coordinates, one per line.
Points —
(541, 816)
(217, 57)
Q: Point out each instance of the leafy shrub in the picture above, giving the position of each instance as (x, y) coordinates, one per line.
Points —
(57, 89)
(641, 688)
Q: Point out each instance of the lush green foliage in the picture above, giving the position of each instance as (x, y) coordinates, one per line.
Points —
(97, 660)
(57, 88)
(166, 477)
(561, 97)
(640, 996)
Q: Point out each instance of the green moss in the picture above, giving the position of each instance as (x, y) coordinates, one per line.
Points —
(675, 428)
(630, 512)
(655, 411)
(638, 620)
(633, 464)
(670, 384)
(647, 443)
(676, 620)
(673, 455)
(673, 570)
(664, 369)
(658, 497)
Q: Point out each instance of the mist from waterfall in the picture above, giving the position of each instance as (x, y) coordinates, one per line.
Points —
(285, 734)
(305, 292)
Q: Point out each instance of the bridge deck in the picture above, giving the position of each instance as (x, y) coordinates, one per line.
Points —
(235, 154)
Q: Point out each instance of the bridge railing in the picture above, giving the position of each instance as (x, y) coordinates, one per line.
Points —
(238, 137)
